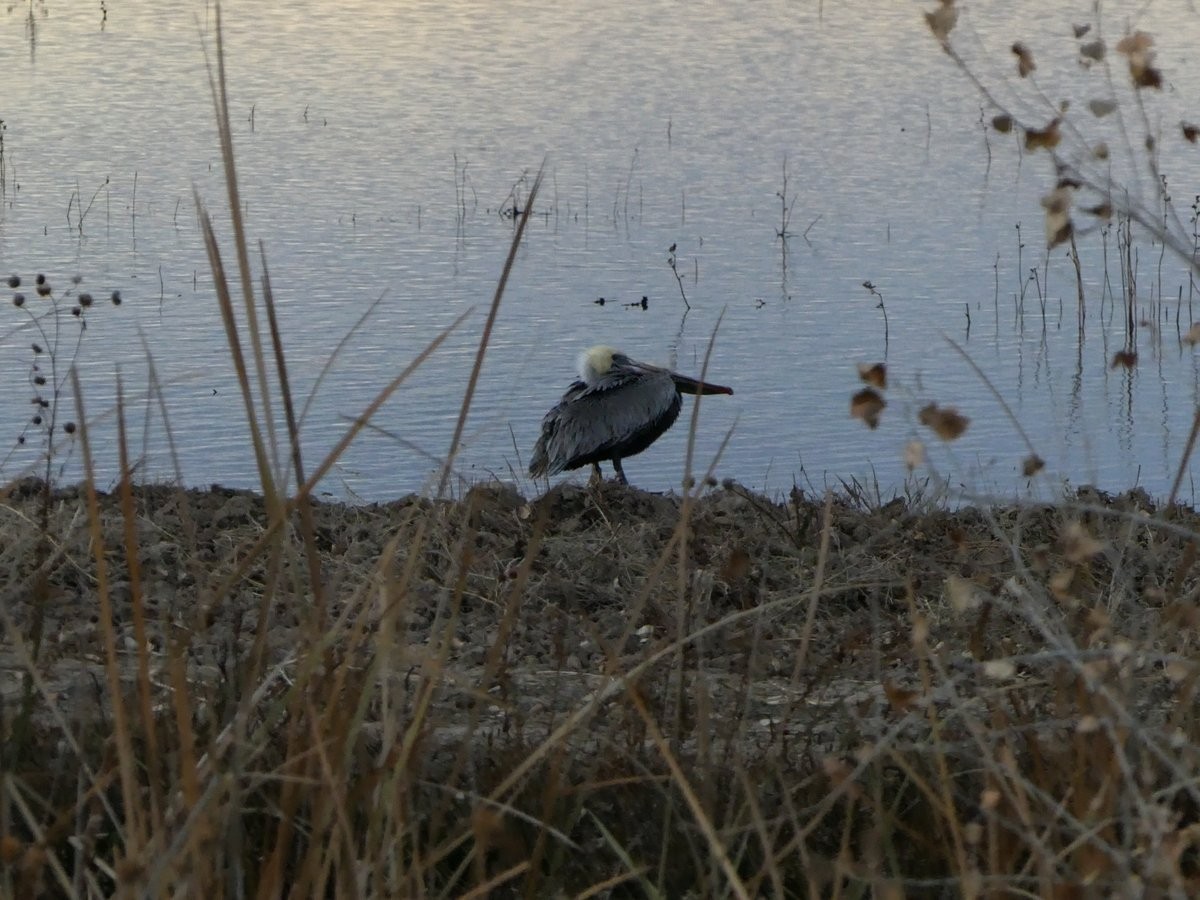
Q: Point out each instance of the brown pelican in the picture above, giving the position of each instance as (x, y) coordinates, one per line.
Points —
(615, 408)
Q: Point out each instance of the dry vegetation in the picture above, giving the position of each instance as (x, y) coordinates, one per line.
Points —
(595, 692)
(599, 690)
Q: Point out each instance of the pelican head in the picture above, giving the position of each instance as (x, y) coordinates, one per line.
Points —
(596, 362)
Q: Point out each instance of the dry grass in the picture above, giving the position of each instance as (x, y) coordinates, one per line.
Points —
(511, 691)
(594, 693)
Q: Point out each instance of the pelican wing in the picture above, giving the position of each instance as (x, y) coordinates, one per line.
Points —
(618, 418)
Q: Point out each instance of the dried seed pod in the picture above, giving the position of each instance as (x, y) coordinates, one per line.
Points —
(946, 422)
(867, 405)
(874, 374)
(1025, 63)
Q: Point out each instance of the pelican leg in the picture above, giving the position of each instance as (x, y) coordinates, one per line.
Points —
(616, 463)
(597, 477)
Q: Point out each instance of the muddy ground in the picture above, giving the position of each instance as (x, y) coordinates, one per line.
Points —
(786, 632)
(603, 587)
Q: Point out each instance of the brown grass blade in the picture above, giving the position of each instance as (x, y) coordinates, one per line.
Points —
(220, 95)
(484, 889)
(236, 352)
(303, 503)
(689, 795)
(135, 833)
(137, 606)
(486, 335)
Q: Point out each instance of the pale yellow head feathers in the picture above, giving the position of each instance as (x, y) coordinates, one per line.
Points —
(595, 362)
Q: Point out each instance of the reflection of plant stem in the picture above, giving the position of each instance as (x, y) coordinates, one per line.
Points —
(3, 180)
(1080, 309)
(628, 186)
(785, 208)
(987, 144)
(678, 342)
(1019, 300)
(875, 293)
(1127, 260)
(783, 281)
(629, 181)
(1194, 220)
(1037, 283)
(996, 292)
(673, 262)
(810, 228)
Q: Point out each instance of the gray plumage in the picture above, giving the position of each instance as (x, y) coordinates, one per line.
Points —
(615, 409)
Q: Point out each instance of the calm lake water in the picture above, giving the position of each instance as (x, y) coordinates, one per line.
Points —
(378, 145)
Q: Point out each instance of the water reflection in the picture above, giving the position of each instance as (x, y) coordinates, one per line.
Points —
(815, 184)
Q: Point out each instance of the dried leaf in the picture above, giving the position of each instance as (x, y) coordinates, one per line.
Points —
(999, 669)
(1124, 359)
(1003, 123)
(914, 454)
(1025, 63)
(30, 868)
(1047, 137)
(1081, 30)
(737, 566)
(1061, 236)
(486, 824)
(1058, 216)
(1193, 335)
(1097, 669)
(900, 699)
(491, 831)
(1146, 76)
(1093, 50)
(1101, 108)
(1060, 584)
(1100, 210)
(1138, 48)
(1178, 670)
(946, 422)
(1098, 619)
(961, 594)
(11, 849)
(874, 374)
(837, 770)
(1191, 133)
(1138, 42)
(1100, 151)
(1031, 465)
(1078, 544)
(867, 405)
(942, 20)
(920, 632)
